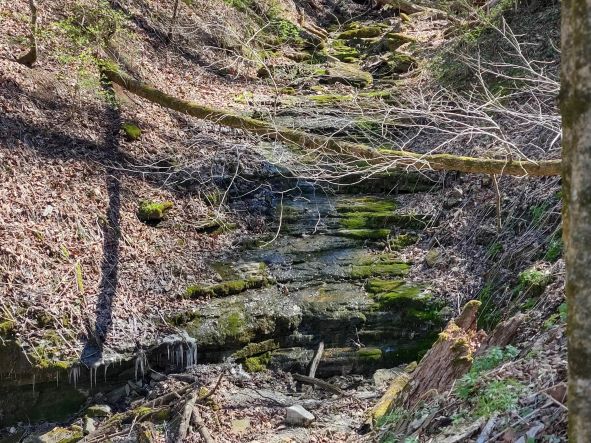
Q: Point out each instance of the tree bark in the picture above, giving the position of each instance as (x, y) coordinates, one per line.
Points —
(30, 57)
(576, 150)
(173, 21)
(397, 159)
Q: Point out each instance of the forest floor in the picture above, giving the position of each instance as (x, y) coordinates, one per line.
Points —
(71, 240)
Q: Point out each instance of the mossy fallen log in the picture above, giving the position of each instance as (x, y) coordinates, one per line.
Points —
(397, 159)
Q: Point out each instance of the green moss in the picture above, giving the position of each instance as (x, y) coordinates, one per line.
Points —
(253, 349)
(325, 99)
(154, 414)
(234, 324)
(133, 132)
(554, 251)
(226, 288)
(258, 363)
(533, 281)
(365, 205)
(150, 212)
(361, 32)
(376, 285)
(7, 328)
(370, 354)
(405, 296)
(393, 269)
(364, 234)
(401, 241)
(394, 40)
(400, 63)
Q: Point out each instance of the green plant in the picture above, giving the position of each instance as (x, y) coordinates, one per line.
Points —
(492, 359)
(84, 36)
(498, 396)
(533, 281)
(554, 250)
(538, 212)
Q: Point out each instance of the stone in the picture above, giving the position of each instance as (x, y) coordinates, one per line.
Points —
(485, 234)
(382, 377)
(240, 426)
(57, 435)
(88, 426)
(98, 411)
(298, 416)
(433, 257)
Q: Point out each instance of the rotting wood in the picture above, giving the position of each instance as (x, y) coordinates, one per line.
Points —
(200, 425)
(185, 419)
(320, 383)
(391, 159)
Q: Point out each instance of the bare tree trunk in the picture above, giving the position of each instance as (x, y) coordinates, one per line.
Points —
(576, 152)
(30, 57)
(173, 21)
(392, 159)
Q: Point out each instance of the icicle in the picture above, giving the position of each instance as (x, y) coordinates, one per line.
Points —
(73, 375)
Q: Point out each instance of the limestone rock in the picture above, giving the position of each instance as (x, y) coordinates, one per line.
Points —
(88, 426)
(57, 435)
(298, 416)
(98, 411)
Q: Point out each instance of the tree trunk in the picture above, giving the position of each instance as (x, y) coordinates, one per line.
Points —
(576, 149)
(30, 57)
(173, 21)
(393, 159)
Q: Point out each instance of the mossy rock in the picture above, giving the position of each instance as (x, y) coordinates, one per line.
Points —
(226, 288)
(329, 99)
(153, 212)
(394, 40)
(365, 204)
(399, 63)
(58, 435)
(253, 349)
(370, 354)
(402, 241)
(132, 131)
(380, 269)
(7, 328)
(364, 234)
(534, 281)
(346, 74)
(361, 32)
(258, 363)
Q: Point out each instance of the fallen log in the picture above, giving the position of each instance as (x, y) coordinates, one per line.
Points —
(321, 384)
(392, 159)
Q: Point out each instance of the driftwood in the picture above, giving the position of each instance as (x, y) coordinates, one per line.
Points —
(321, 384)
(316, 360)
(185, 418)
(313, 142)
(200, 425)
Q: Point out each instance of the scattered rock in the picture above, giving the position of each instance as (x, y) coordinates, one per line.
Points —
(89, 425)
(57, 435)
(298, 416)
(240, 426)
(433, 257)
(98, 411)
(383, 376)
(485, 234)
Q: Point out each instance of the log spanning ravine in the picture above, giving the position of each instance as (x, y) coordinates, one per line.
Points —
(395, 159)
